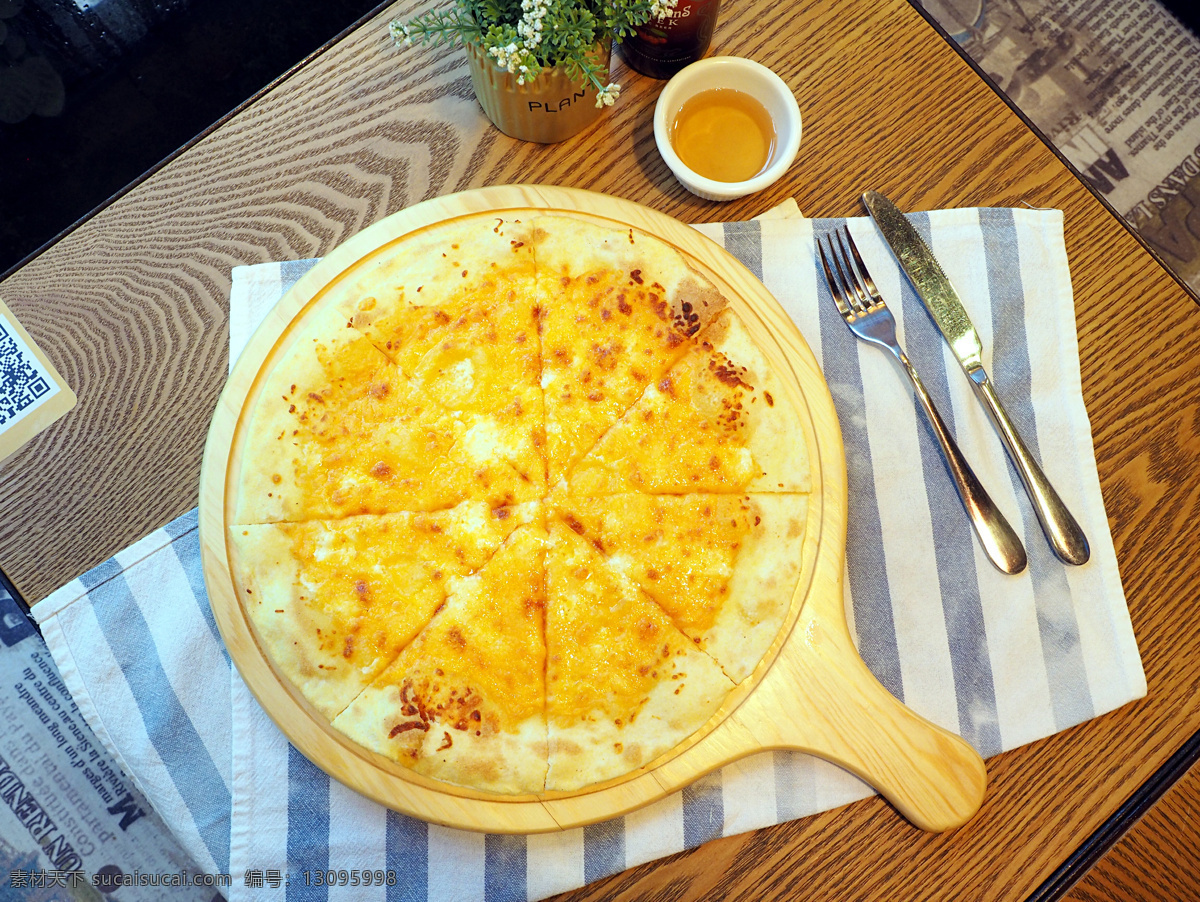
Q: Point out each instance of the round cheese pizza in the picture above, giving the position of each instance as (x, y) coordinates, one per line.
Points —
(519, 502)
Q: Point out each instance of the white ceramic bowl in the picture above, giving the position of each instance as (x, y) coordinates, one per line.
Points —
(743, 75)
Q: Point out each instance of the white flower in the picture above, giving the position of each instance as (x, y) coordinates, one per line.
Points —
(400, 34)
(608, 95)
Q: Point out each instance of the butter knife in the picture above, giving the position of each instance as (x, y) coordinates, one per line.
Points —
(942, 301)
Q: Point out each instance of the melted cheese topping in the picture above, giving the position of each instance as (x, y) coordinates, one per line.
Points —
(407, 335)
(485, 652)
(680, 550)
(368, 585)
(369, 439)
(377, 602)
(475, 671)
(607, 643)
(356, 390)
(489, 354)
(605, 337)
(687, 433)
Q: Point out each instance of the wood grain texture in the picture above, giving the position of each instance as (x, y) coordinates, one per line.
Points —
(131, 307)
(1159, 858)
(811, 692)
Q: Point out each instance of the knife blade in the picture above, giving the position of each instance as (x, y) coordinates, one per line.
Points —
(936, 292)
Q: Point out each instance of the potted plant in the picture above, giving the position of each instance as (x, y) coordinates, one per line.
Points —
(539, 67)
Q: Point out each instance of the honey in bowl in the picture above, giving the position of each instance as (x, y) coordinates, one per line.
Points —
(723, 134)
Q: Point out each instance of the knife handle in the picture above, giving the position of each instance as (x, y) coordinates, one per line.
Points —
(1061, 529)
(1000, 543)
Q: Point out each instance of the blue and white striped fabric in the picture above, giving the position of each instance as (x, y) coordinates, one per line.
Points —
(1001, 660)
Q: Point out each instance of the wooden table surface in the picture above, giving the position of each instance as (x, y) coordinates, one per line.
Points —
(1159, 858)
(132, 308)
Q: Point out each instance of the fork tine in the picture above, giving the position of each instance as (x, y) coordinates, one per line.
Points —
(856, 295)
(835, 286)
(862, 267)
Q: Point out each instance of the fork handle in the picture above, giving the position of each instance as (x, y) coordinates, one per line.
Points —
(1062, 530)
(1000, 543)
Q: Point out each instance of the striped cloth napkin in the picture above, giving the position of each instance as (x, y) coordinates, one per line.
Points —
(1001, 660)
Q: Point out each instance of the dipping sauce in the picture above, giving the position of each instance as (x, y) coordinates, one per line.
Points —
(723, 134)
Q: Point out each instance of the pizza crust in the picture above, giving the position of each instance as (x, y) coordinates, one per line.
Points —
(761, 587)
(776, 436)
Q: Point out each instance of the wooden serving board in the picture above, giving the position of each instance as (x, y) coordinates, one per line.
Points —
(811, 692)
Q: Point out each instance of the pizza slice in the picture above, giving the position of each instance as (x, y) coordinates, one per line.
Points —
(623, 685)
(465, 702)
(331, 389)
(340, 431)
(457, 312)
(408, 297)
(334, 602)
(718, 421)
(618, 309)
(723, 567)
(485, 370)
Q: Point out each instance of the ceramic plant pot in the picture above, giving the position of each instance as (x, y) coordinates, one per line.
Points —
(550, 108)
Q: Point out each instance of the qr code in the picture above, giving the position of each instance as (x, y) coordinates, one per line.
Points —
(21, 385)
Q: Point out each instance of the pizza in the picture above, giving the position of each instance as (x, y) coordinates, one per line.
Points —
(518, 503)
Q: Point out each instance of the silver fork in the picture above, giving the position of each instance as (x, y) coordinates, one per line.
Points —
(863, 309)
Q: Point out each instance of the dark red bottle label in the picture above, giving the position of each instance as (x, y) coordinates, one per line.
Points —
(664, 45)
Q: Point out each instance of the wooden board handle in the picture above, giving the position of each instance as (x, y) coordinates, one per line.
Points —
(827, 703)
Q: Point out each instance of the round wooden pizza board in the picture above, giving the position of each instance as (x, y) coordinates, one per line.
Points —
(811, 692)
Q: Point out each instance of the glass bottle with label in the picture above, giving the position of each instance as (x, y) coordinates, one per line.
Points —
(664, 45)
